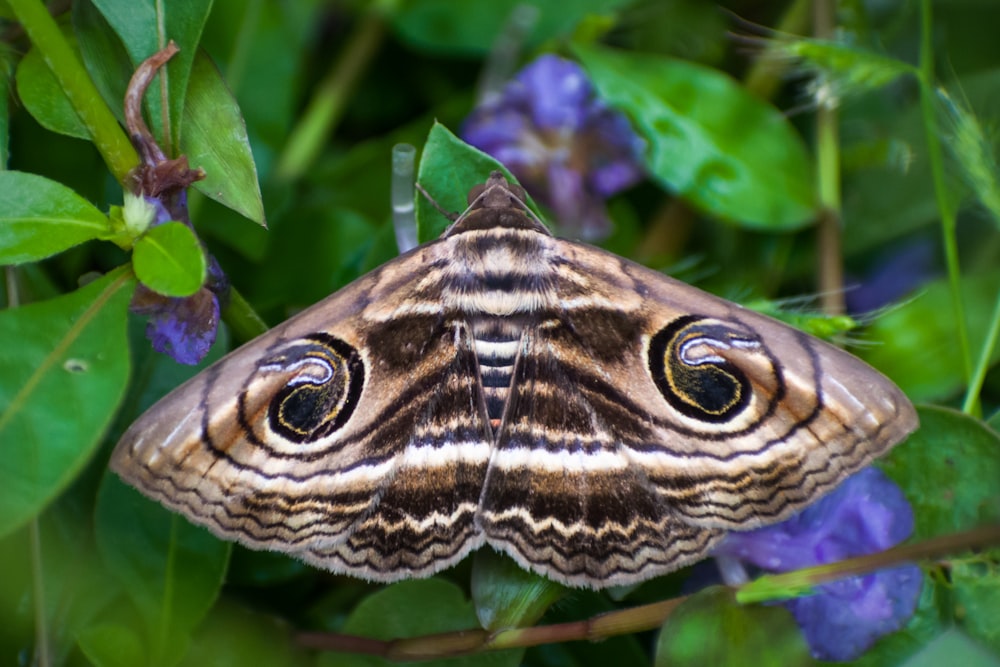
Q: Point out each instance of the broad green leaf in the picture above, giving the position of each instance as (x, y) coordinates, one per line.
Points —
(144, 27)
(215, 139)
(60, 561)
(168, 259)
(43, 96)
(112, 645)
(170, 568)
(449, 168)
(60, 387)
(39, 218)
(445, 26)
(710, 141)
(413, 609)
(263, 640)
(710, 628)
(917, 346)
(506, 595)
(948, 470)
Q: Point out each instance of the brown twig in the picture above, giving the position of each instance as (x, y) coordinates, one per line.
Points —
(156, 174)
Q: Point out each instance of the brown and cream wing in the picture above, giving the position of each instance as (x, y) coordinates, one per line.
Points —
(308, 436)
(738, 420)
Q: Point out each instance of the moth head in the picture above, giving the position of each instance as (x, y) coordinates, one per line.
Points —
(497, 192)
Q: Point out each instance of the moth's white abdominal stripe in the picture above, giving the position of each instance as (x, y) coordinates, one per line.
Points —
(598, 421)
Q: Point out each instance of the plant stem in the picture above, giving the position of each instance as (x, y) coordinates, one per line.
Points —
(831, 270)
(327, 105)
(946, 210)
(970, 405)
(107, 135)
(241, 318)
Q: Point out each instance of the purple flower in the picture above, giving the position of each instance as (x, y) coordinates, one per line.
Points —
(565, 146)
(183, 327)
(867, 513)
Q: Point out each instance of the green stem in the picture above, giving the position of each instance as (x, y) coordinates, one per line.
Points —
(327, 105)
(42, 655)
(831, 270)
(241, 318)
(971, 403)
(107, 135)
(945, 210)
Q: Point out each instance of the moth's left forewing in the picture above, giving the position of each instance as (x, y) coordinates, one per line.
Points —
(750, 419)
(322, 431)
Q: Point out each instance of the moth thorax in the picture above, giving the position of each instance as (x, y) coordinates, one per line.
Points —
(497, 342)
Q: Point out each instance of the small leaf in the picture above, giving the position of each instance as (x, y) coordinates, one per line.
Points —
(215, 139)
(711, 141)
(60, 387)
(414, 609)
(508, 596)
(40, 217)
(44, 98)
(710, 628)
(449, 168)
(170, 568)
(168, 259)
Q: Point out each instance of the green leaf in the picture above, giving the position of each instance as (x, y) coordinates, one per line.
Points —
(215, 139)
(56, 558)
(61, 385)
(44, 97)
(103, 55)
(712, 142)
(710, 628)
(976, 587)
(445, 26)
(449, 168)
(413, 609)
(954, 647)
(263, 640)
(39, 218)
(144, 27)
(6, 69)
(508, 596)
(948, 470)
(168, 259)
(170, 568)
(112, 645)
(918, 349)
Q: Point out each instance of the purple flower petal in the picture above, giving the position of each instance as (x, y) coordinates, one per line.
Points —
(184, 328)
(845, 618)
(865, 514)
(569, 149)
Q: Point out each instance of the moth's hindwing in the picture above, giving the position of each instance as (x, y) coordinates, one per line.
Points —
(596, 420)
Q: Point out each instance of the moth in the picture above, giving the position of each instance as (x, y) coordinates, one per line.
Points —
(597, 421)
